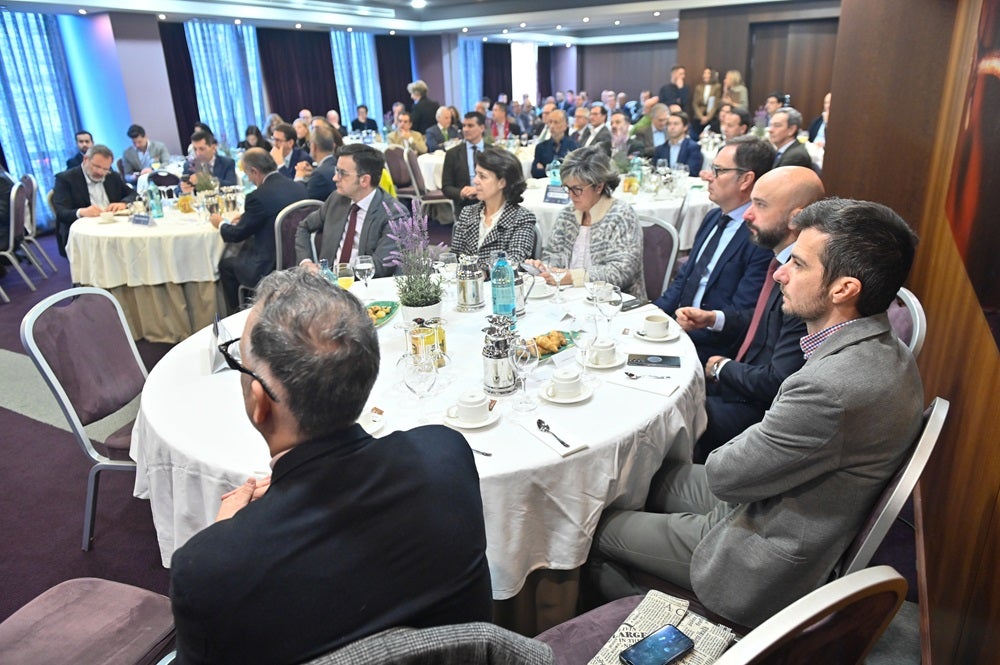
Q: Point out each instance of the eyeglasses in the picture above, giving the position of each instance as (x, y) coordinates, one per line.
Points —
(235, 364)
(719, 170)
(577, 190)
(342, 173)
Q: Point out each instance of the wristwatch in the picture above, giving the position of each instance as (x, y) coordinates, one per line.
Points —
(717, 367)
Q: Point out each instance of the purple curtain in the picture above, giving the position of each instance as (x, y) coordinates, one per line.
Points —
(497, 73)
(180, 73)
(544, 72)
(297, 66)
(395, 69)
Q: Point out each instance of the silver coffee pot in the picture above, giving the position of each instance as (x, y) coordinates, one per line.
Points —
(471, 282)
(520, 294)
(498, 374)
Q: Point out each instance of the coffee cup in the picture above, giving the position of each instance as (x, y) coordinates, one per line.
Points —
(107, 217)
(472, 407)
(578, 275)
(657, 325)
(602, 352)
(565, 383)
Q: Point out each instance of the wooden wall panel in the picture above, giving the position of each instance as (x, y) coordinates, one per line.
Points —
(631, 68)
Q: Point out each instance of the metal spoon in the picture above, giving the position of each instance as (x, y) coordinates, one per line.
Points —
(482, 452)
(636, 377)
(544, 427)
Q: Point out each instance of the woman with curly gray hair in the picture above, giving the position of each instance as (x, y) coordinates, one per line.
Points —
(597, 232)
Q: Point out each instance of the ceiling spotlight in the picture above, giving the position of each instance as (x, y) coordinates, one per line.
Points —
(558, 27)
(505, 31)
(523, 24)
(238, 22)
(418, 4)
(82, 12)
(392, 32)
(586, 19)
(465, 29)
(568, 45)
(484, 39)
(618, 22)
(298, 26)
(350, 29)
(656, 13)
(510, 41)
(162, 17)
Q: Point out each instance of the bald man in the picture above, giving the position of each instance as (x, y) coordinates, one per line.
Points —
(740, 389)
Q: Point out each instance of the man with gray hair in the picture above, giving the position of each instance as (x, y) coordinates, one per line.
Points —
(256, 258)
(350, 535)
(424, 109)
(319, 180)
(87, 191)
(654, 133)
(783, 132)
(442, 131)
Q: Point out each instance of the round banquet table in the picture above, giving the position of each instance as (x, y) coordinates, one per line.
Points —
(164, 275)
(432, 164)
(192, 440)
(684, 213)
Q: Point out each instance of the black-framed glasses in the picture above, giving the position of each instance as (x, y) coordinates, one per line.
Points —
(719, 170)
(235, 364)
(577, 190)
(343, 174)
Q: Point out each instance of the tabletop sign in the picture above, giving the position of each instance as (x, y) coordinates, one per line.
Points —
(142, 218)
(556, 194)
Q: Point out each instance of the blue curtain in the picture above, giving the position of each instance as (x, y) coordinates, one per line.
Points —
(227, 78)
(470, 60)
(355, 66)
(35, 87)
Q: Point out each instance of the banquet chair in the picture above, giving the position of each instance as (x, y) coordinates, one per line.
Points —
(31, 225)
(837, 623)
(316, 241)
(395, 161)
(89, 620)
(908, 320)
(286, 223)
(98, 375)
(163, 178)
(17, 221)
(536, 253)
(659, 252)
(896, 492)
(422, 195)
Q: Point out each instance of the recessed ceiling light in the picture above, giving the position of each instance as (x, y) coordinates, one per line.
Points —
(162, 17)
(510, 41)
(550, 43)
(484, 39)
(465, 29)
(298, 26)
(568, 44)
(586, 19)
(418, 4)
(238, 22)
(656, 13)
(558, 27)
(350, 29)
(82, 12)
(618, 22)
(523, 24)
(505, 31)
(392, 32)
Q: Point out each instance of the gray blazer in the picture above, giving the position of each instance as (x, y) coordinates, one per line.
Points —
(801, 483)
(133, 163)
(331, 218)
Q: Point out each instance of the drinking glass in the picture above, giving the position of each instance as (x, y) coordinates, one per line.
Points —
(364, 269)
(558, 268)
(447, 267)
(592, 283)
(663, 166)
(524, 357)
(609, 302)
(419, 373)
(345, 276)
(584, 339)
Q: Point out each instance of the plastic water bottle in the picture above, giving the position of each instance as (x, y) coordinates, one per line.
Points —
(502, 285)
(324, 269)
(155, 202)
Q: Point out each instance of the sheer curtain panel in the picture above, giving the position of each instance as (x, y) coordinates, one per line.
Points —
(470, 58)
(38, 114)
(356, 67)
(227, 78)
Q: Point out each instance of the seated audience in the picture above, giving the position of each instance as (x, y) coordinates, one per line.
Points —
(442, 132)
(736, 123)
(301, 127)
(598, 131)
(285, 153)
(557, 146)
(272, 123)
(253, 138)
(84, 140)
(817, 128)
(783, 132)
(354, 219)
(363, 123)
(496, 222)
(741, 388)
(581, 120)
(199, 127)
(540, 128)
(621, 135)
(406, 136)
(307, 115)
(346, 538)
(772, 103)
(595, 232)
(653, 133)
(679, 148)
(254, 259)
(333, 118)
(459, 162)
(140, 157)
(525, 117)
(87, 191)
(322, 148)
(207, 158)
(501, 126)
(771, 513)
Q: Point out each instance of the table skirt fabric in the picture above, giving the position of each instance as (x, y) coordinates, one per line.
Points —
(169, 312)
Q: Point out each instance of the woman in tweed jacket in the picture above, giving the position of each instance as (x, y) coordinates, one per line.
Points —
(497, 222)
(596, 232)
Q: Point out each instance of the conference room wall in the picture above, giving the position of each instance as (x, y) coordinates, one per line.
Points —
(628, 68)
(429, 66)
(564, 69)
(898, 90)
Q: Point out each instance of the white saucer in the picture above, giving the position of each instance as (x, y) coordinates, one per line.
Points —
(671, 335)
(461, 424)
(371, 422)
(620, 358)
(585, 393)
(542, 290)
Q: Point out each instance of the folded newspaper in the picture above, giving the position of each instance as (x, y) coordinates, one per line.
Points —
(657, 610)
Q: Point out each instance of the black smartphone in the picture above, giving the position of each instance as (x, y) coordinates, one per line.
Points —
(664, 646)
(634, 304)
(642, 360)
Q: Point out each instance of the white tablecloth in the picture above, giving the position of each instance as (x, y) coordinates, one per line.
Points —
(432, 164)
(192, 440)
(686, 214)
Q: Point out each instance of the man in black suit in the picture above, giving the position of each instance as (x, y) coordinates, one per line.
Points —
(319, 180)
(783, 132)
(459, 162)
(424, 110)
(441, 132)
(557, 146)
(206, 156)
(598, 131)
(675, 93)
(256, 258)
(725, 270)
(358, 170)
(351, 535)
(84, 140)
(740, 389)
(284, 153)
(87, 191)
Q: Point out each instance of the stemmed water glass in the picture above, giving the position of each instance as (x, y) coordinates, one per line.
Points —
(447, 266)
(584, 339)
(419, 373)
(558, 268)
(608, 299)
(364, 269)
(663, 167)
(592, 282)
(524, 357)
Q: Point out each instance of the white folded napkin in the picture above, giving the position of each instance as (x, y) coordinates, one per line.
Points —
(664, 387)
(529, 423)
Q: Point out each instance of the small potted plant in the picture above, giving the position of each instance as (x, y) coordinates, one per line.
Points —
(417, 282)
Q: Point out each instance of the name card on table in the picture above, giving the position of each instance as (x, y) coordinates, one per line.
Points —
(143, 219)
(556, 194)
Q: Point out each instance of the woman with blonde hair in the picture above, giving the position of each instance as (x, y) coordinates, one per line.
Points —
(733, 90)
